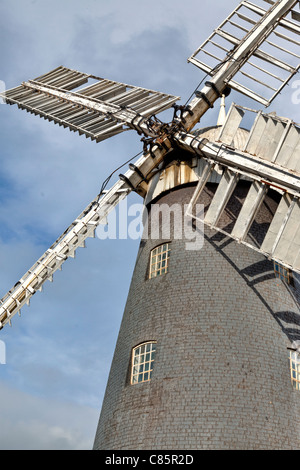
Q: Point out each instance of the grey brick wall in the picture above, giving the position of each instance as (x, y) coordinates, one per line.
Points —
(222, 323)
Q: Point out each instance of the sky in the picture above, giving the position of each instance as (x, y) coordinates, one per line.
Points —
(58, 353)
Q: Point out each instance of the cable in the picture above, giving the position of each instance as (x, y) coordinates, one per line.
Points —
(105, 182)
(96, 201)
(214, 70)
(195, 90)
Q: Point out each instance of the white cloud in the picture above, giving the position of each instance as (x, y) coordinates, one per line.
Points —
(33, 423)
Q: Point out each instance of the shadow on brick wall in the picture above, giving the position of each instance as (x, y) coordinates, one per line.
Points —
(289, 321)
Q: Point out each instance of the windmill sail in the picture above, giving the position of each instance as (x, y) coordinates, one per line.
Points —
(75, 235)
(269, 161)
(99, 111)
(269, 68)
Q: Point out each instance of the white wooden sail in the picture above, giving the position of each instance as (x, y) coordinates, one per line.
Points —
(74, 237)
(270, 160)
(268, 67)
(98, 111)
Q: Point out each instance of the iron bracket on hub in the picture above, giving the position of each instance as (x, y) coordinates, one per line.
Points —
(226, 92)
(151, 143)
(127, 181)
(182, 110)
(133, 167)
(203, 96)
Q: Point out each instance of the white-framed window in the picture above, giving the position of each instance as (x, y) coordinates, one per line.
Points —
(295, 369)
(142, 362)
(159, 260)
(283, 273)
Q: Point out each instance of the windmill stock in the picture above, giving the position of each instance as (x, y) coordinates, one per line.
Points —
(228, 158)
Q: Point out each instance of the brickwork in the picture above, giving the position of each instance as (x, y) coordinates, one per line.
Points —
(222, 323)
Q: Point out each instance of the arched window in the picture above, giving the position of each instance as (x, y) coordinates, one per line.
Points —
(295, 369)
(159, 260)
(142, 362)
(283, 273)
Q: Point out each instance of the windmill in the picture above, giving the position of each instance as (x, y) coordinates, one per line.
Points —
(265, 157)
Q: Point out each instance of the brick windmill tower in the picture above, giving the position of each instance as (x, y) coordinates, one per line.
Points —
(208, 350)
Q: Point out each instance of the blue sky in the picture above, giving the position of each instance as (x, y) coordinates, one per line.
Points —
(58, 353)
